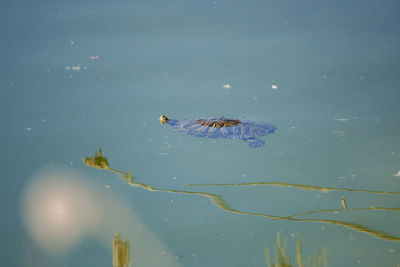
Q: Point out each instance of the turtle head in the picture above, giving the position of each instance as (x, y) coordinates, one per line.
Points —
(163, 119)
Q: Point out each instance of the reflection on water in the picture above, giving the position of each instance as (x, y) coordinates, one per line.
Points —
(60, 210)
(283, 260)
(100, 162)
(121, 252)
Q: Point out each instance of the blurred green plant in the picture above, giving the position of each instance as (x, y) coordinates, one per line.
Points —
(281, 258)
(121, 252)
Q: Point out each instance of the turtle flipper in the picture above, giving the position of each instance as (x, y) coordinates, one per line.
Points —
(254, 142)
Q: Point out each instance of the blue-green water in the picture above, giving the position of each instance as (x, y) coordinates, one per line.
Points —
(76, 77)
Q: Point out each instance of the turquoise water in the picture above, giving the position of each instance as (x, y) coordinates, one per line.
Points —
(77, 77)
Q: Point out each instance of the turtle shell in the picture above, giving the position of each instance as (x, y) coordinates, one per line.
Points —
(223, 127)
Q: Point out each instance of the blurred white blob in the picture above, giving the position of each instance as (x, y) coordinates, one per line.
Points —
(226, 86)
(60, 209)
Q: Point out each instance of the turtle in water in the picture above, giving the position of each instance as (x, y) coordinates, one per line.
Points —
(222, 127)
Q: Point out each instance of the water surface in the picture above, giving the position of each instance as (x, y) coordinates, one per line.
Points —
(76, 77)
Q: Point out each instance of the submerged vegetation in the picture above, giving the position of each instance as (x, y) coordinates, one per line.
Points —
(282, 259)
(101, 162)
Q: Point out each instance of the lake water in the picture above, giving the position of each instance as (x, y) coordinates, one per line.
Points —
(77, 77)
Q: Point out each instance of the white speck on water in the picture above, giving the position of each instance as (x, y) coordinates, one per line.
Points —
(226, 86)
(28, 129)
(339, 133)
(397, 174)
(274, 87)
(74, 68)
(72, 42)
(342, 119)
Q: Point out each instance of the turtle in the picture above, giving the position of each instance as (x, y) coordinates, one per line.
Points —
(222, 127)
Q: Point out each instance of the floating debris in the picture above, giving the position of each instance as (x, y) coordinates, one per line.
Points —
(101, 162)
(28, 129)
(94, 57)
(98, 161)
(397, 174)
(344, 203)
(226, 86)
(218, 201)
(274, 87)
